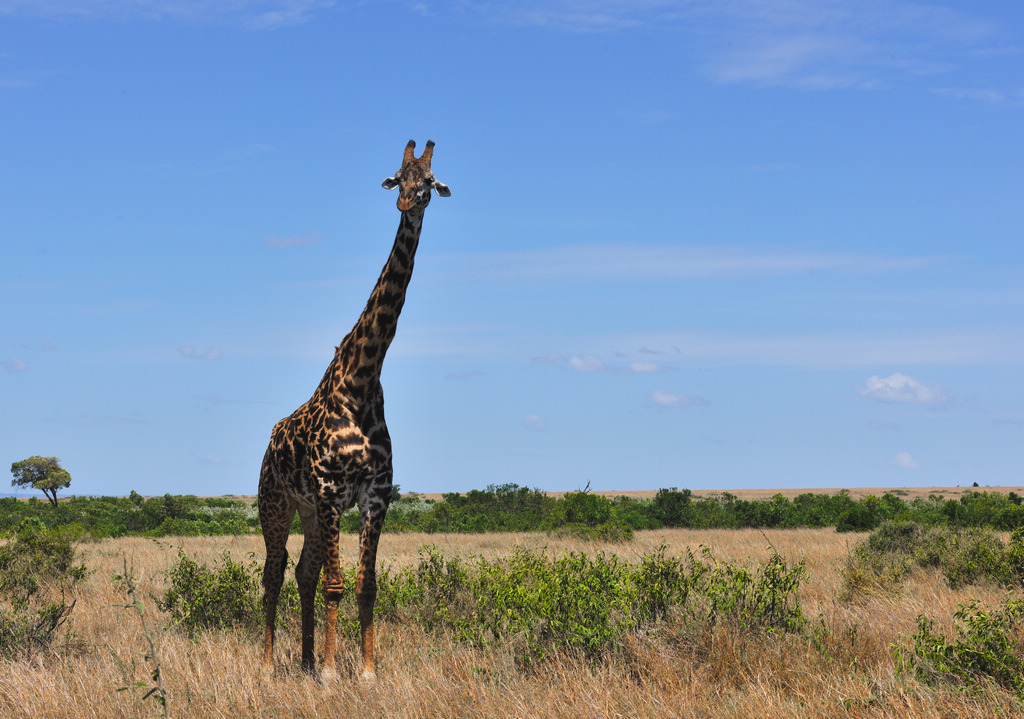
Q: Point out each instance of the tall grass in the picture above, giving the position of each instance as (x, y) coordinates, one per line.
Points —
(840, 664)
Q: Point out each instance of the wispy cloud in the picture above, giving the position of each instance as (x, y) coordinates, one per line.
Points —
(14, 364)
(189, 352)
(22, 79)
(287, 13)
(807, 44)
(904, 460)
(637, 262)
(899, 387)
(587, 363)
(671, 399)
(592, 363)
(642, 367)
(534, 423)
(674, 349)
(983, 94)
(990, 346)
(251, 14)
(313, 238)
(572, 16)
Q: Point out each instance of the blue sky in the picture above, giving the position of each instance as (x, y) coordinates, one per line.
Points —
(709, 245)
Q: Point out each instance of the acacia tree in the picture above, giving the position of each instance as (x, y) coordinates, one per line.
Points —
(42, 473)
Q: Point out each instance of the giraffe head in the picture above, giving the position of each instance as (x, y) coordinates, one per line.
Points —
(414, 180)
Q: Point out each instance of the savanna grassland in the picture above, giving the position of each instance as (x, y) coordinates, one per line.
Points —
(839, 660)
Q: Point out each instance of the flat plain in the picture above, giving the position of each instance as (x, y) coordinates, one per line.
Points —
(720, 671)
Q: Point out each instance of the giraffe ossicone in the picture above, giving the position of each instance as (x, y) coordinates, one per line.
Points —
(334, 451)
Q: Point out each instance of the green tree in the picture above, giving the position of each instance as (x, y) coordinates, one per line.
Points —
(42, 473)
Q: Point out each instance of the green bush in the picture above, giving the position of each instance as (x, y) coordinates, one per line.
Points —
(586, 508)
(202, 598)
(672, 507)
(37, 568)
(529, 602)
(989, 648)
(964, 555)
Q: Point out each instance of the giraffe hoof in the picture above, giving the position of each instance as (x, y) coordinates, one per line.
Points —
(329, 676)
(369, 676)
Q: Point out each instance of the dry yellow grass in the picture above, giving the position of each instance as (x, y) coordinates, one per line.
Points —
(719, 673)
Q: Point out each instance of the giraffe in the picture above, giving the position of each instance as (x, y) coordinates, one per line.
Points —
(334, 451)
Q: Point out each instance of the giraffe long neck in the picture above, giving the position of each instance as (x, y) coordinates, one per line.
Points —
(358, 361)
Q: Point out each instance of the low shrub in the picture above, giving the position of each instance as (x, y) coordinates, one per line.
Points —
(202, 598)
(37, 569)
(964, 555)
(529, 601)
(989, 648)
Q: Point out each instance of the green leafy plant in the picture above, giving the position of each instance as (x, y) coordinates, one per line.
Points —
(988, 648)
(37, 569)
(964, 555)
(202, 598)
(529, 601)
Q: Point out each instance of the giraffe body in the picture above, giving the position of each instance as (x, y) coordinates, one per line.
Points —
(334, 451)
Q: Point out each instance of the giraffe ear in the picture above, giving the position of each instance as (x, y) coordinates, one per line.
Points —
(441, 189)
(389, 184)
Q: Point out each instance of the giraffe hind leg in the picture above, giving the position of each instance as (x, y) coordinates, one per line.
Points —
(307, 572)
(275, 537)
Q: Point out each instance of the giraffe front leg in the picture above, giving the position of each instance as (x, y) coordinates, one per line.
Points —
(366, 580)
(333, 587)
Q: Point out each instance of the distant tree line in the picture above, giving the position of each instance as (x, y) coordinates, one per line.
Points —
(511, 508)
(508, 507)
(134, 515)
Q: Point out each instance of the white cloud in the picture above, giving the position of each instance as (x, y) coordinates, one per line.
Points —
(669, 399)
(591, 363)
(15, 364)
(899, 387)
(189, 352)
(533, 422)
(587, 363)
(642, 367)
(904, 460)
